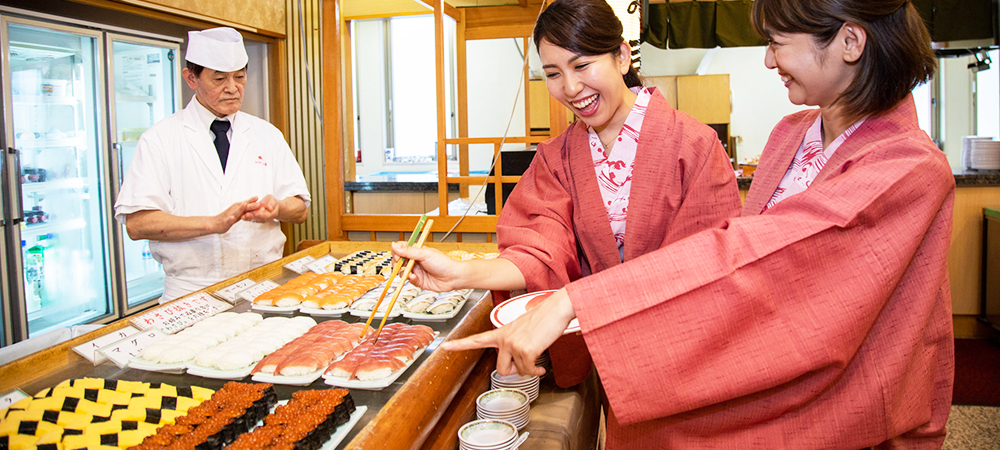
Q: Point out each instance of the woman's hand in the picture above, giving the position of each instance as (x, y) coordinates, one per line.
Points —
(433, 270)
(520, 343)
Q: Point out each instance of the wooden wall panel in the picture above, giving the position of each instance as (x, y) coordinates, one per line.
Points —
(259, 16)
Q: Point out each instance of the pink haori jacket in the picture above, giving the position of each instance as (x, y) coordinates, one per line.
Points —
(555, 228)
(824, 322)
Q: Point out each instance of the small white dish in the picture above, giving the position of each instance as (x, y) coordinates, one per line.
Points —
(487, 434)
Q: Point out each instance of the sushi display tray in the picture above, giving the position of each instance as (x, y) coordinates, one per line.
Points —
(339, 434)
(320, 312)
(275, 309)
(208, 372)
(364, 314)
(424, 317)
(142, 364)
(373, 385)
(301, 380)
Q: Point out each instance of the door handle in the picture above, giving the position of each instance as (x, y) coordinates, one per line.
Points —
(16, 188)
(121, 163)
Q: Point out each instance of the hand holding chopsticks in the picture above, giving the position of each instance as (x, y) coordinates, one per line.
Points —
(392, 276)
(406, 274)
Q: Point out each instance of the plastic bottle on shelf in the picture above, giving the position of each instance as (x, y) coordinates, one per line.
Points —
(148, 263)
(34, 266)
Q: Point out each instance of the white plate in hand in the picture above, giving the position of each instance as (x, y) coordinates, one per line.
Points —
(510, 310)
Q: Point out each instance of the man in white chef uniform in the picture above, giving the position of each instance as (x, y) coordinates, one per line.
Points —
(209, 185)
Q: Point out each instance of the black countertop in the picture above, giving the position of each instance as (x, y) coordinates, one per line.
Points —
(428, 182)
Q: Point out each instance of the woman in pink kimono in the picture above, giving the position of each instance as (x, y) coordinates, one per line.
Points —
(567, 216)
(820, 318)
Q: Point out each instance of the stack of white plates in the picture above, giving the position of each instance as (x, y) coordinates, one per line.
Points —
(984, 155)
(967, 149)
(527, 383)
(544, 362)
(511, 405)
(489, 435)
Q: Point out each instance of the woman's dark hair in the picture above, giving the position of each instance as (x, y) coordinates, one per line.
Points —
(897, 55)
(584, 27)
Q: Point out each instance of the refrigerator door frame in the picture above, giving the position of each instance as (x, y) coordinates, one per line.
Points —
(115, 153)
(6, 221)
(19, 315)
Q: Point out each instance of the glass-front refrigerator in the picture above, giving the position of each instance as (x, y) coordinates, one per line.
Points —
(58, 244)
(143, 83)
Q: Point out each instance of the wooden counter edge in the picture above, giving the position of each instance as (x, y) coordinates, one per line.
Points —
(406, 421)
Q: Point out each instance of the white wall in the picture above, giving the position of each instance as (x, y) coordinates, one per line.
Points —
(495, 85)
(759, 98)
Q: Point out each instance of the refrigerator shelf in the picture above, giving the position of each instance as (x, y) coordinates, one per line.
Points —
(31, 144)
(32, 100)
(54, 185)
(55, 226)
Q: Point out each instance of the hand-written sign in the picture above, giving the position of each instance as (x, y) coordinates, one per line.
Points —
(319, 265)
(229, 293)
(122, 351)
(175, 316)
(254, 291)
(89, 350)
(299, 265)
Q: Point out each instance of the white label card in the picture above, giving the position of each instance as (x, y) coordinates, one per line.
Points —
(121, 351)
(254, 291)
(299, 265)
(8, 399)
(175, 316)
(229, 293)
(319, 265)
(89, 350)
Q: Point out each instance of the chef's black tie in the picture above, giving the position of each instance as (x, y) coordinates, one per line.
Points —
(219, 128)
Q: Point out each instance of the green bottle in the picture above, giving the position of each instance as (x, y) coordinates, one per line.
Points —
(36, 263)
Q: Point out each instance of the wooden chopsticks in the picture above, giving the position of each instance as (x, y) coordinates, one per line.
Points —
(395, 271)
(402, 281)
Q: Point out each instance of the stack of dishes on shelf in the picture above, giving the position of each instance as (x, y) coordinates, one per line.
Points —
(544, 362)
(526, 383)
(981, 153)
(511, 405)
(489, 435)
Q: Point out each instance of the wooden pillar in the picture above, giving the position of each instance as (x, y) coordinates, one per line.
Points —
(333, 124)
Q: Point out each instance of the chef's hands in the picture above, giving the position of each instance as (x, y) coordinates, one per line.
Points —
(433, 270)
(222, 222)
(521, 342)
(265, 210)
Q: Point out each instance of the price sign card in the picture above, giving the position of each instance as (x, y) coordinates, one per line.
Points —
(8, 399)
(229, 293)
(123, 350)
(254, 291)
(299, 265)
(89, 350)
(177, 315)
(319, 265)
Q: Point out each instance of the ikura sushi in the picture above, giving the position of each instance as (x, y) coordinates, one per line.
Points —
(305, 422)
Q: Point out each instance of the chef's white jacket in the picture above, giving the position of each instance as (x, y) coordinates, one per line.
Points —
(176, 170)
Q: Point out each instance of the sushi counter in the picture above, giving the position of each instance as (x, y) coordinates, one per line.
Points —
(387, 404)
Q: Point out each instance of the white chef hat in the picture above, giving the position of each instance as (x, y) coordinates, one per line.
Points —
(217, 48)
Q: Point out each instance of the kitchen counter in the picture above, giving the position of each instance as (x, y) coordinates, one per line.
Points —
(426, 182)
